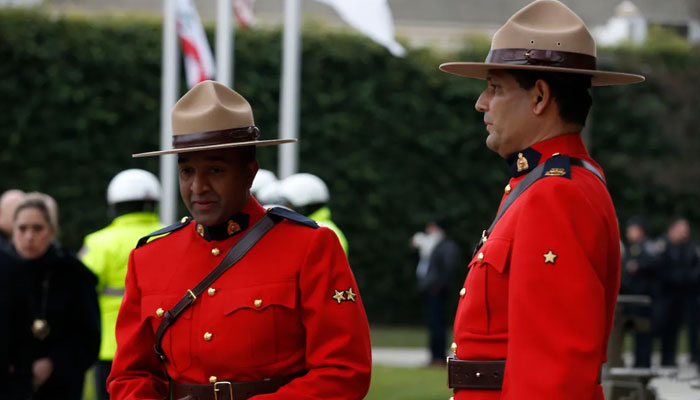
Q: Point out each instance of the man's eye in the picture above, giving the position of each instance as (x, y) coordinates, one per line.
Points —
(215, 170)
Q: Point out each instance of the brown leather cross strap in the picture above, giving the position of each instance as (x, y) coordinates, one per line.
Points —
(550, 58)
(229, 390)
(234, 254)
(484, 375)
(216, 137)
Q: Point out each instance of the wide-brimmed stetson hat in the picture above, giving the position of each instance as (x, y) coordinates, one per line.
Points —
(211, 116)
(545, 35)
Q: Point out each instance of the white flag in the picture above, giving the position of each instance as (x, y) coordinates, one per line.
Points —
(371, 17)
(244, 10)
(199, 61)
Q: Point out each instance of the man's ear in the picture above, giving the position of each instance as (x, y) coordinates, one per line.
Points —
(541, 96)
(251, 170)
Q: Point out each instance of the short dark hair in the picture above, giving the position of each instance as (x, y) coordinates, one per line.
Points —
(570, 91)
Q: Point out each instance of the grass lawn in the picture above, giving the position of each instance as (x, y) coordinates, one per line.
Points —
(402, 336)
(390, 383)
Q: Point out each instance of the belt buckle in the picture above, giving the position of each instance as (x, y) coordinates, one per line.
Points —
(217, 389)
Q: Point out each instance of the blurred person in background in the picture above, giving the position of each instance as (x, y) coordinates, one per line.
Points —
(15, 329)
(678, 285)
(8, 202)
(536, 312)
(638, 263)
(438, 255)
(66, 324)
(262, 179)
(309, 196)
(132, 196)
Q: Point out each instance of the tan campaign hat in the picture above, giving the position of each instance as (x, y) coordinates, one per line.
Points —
(211, 116)
(545, 35)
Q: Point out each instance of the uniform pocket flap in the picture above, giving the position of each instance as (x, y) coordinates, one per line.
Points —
(494, 253)
(259, 298)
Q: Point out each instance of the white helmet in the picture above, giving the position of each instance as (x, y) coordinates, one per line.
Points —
(271, 195)
(262, 178)
(304, 189)
(133, 185)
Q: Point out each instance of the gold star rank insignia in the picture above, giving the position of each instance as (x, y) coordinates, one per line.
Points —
(351, 295)
(339, 296)
(549, 257)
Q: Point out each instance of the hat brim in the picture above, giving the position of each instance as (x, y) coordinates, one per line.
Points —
(214, 147)
(598, 78)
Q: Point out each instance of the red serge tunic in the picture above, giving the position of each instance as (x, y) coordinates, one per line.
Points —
(291, 304)
(542, 294)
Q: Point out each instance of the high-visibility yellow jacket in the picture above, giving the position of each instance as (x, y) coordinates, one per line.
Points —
(323, 217)
(106, 253)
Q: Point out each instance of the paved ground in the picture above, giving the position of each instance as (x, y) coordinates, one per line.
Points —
(671, 384)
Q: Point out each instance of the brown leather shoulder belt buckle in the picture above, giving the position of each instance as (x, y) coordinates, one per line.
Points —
(483, 375)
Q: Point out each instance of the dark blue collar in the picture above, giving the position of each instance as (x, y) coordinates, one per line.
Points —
(236, 224)
(523, 161)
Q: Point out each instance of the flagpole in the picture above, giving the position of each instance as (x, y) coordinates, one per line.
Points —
(289, 93)
(168, 97)
(224, 42)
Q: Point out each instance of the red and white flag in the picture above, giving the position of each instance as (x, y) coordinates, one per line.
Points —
(244, 10)
(199, 61)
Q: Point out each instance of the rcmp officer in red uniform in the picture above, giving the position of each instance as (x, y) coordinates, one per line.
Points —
(536, 308)
(285, 321)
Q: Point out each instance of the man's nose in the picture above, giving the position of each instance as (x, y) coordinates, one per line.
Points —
(200, 184)
(482, 104)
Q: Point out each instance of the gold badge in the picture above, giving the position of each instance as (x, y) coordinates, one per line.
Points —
(40, 328)
(339, 296)
(549, 257)
(200, 230)
(350, 295)
(555, 172)
(232, 227)
(522, 163)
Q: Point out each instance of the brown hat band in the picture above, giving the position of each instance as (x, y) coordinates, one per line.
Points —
(216, 137)
(550, 58)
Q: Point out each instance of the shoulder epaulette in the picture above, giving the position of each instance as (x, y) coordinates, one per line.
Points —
(168, 229)
(294, 216)
(557, 166)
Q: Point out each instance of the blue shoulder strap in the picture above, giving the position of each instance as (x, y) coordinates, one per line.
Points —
(281, 212)
(172, 228)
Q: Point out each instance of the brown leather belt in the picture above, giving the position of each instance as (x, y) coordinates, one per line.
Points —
(484, 375)
(228, 390)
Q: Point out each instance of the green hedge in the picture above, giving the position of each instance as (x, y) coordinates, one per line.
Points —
(396, 140)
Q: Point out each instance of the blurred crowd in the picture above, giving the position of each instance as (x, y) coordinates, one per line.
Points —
(667, 270)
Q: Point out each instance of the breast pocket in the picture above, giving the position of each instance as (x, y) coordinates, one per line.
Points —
(177, 340)
(260, 323)
(484, 308)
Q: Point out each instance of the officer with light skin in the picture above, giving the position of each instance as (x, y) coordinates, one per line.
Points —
(536, 309)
